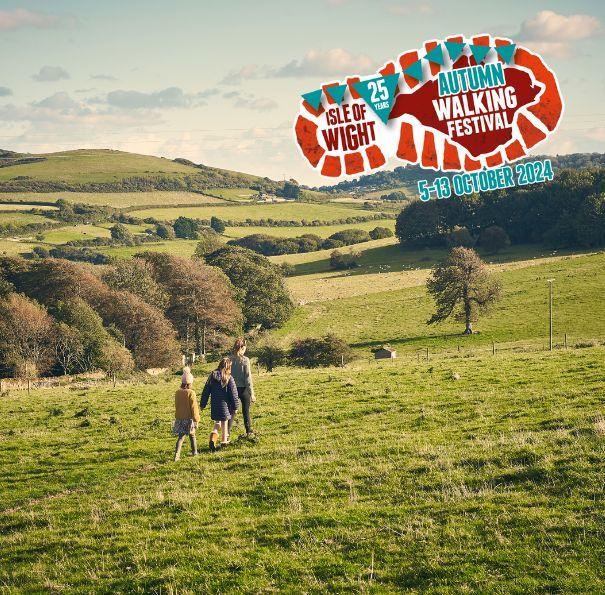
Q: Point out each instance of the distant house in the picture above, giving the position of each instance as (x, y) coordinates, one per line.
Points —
(385, 353)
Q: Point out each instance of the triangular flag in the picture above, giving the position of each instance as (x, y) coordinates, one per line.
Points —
(379, 94)
(435, 55)
(337, 92)
(313, 98)
(479, 52)
(414, 70)
(454, 49)
(506, 52)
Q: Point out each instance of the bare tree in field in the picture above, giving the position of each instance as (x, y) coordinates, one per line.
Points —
(25, 336)
(463, 287)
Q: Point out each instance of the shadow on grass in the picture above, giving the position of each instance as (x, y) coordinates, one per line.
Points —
(419, 340)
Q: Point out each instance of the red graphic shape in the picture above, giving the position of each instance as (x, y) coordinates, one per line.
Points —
(419, 103)
(407, 149)
(354, 163)
(375, 157)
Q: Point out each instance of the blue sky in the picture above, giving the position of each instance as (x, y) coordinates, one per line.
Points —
(219, 82)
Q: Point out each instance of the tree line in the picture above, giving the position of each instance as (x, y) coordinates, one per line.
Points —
(273, 246)
(61, 317)
(566, 212)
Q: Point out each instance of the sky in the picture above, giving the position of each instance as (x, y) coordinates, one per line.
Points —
(219, 83)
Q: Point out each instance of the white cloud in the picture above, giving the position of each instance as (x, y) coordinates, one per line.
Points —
(103, 77)
(171, 97)
(20, 18)
(330, 63)
(258, 104)
(51, 74)
(59, 101)
(552, 34)
(335, 62)
(246, 72)
(408, 8)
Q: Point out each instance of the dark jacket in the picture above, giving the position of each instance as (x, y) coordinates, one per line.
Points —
(224, 401)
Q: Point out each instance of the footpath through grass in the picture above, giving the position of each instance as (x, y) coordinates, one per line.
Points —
(374, 478)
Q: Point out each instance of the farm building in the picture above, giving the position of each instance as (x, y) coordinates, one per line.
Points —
(385, 353)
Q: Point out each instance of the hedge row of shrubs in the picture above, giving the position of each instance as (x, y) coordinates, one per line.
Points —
(328, 350)
(273, 246)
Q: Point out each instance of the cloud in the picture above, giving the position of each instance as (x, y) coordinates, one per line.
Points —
(50, 74)
(5, 92)
(335, 62)
(169, 98)
(330, 63)
(408, 8)
(258, 104)
(246, 72)
(552, 34)
(103, 77)
(21, 18)
(59, 101)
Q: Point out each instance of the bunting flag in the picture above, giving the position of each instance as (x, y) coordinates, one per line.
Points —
(336, 93)
(313, 98)
(435, 55)
(414, 70)
(454, 49)
(479, 52)
(384, 96)
(506, 52)
(379, 94)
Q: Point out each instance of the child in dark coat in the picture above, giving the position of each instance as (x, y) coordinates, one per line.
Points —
(221, 390)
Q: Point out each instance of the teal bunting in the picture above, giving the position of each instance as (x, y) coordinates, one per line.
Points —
(336, 93)
(313, 98)
(479, 52)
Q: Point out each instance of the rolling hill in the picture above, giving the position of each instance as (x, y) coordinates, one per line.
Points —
(98, 170)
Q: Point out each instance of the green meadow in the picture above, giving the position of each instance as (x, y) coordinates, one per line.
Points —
(397, 317)
(377, 478)
(283, 210)
(95, 166)
(111, 199)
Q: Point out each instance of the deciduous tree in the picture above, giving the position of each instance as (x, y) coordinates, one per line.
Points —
(462, 286)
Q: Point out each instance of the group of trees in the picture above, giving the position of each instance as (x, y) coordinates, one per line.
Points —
(567, 212)
(310, 352)
(59, 317)
(273, 246)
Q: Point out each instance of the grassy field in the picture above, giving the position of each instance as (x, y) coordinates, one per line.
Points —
(398, 317)
(376, 478)
(4, 207)
(176, 247)
(95, 166)
(322, 230)
(12, 248)
(111, 199)
(410, 192)
(18, 218)
(233, 193)
(290, 211)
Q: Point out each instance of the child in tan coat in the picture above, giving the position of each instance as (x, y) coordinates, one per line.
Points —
(187, 414)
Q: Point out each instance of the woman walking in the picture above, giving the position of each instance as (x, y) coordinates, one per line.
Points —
(242, 374)
(221, 390)
(186, 413)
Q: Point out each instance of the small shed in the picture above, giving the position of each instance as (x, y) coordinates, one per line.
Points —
(385, 353)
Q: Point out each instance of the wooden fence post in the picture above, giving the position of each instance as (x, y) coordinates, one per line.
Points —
(493, 348)
(565, 340)
(427, 354)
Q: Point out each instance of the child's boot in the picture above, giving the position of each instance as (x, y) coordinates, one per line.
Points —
(213, 440)
(193, 445)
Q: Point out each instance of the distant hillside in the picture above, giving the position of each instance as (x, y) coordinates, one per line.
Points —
(103, 170)
(409, 175)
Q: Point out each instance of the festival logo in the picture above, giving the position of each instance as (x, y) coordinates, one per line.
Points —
(461, 105)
